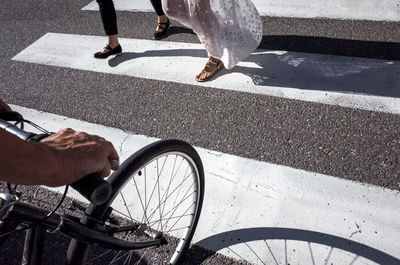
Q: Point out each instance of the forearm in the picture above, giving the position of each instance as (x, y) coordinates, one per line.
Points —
(60, 159)
(27, 163)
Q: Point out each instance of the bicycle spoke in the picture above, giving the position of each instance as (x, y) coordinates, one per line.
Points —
(116, 258)
(186, 171)
(140, 198)
(122, 195)
(169, 184)
(145, 188)
(176, 206)
(128, 260)
(158, 189)
(178, 220)
(177, 229)
(97, 257)
(171, 194)
(124, 215)
(164, 201)
(158, 179)
(184, 198)
(148, 218)
(173, 217)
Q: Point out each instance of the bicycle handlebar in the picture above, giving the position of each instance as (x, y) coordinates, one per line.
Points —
(92, 187)
(11, 128)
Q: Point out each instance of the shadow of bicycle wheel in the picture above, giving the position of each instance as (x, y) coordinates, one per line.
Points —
(249, 237)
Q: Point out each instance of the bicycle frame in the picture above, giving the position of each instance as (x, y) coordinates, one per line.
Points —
(14, 212)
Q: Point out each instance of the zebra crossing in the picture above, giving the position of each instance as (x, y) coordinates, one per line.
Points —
(342, 9)
(256, 211)
(244, 193)
(275, 73)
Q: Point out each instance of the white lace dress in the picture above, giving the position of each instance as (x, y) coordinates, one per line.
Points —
(229, 29)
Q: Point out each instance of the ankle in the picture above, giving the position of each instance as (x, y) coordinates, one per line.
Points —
(162, 19)
(113, 45)
(112, 41)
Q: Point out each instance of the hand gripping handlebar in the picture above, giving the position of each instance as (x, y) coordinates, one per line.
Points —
(92, 187)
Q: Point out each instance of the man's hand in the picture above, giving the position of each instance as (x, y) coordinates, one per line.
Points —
(59, 159)
(4, 106)
(79, 154)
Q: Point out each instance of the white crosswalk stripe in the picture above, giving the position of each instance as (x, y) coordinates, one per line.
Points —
(312, 77)
(243, 193)
(386, 10)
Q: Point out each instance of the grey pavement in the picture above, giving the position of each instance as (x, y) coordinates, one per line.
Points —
(343, 142)
(348, 143)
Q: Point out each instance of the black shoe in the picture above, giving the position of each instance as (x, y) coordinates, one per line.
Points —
(160, 34)
(111, 51)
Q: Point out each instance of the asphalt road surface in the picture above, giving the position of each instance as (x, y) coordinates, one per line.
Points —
(348, 143)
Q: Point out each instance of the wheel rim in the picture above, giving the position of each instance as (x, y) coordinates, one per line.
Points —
(161, 196)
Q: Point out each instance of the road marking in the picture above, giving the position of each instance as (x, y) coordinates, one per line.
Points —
(128, 5)
(367, 84)
(247, 194)
(379, 10)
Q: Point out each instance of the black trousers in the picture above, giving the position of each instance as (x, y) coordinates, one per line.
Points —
(109, 16)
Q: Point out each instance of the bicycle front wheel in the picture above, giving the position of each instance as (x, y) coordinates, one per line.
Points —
(159, 189)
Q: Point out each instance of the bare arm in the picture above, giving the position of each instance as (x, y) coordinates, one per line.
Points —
(60, 159)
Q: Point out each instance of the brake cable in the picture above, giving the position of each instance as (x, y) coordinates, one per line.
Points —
(13, 190)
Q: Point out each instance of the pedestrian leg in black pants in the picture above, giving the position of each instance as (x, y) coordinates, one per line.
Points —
(108, 16)
(109, 19)
(163, 22)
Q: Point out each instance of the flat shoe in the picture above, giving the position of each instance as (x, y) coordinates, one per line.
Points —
(160, 34)
(111, 51)
(213, 66)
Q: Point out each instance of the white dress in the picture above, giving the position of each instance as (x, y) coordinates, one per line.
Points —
(229, 29)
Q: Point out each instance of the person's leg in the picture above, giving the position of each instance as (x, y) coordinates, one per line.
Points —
(206, 26)
(162, 19)
(158, 7)
(109, 19)
(179, 11)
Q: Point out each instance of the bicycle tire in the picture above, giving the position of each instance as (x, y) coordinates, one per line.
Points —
(141, 164)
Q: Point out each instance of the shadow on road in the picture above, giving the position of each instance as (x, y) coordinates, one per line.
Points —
(264, 236)
(332, 46)
(306, 71)
(257, 242)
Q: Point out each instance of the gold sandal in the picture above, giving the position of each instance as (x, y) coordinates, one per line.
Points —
(213, 66)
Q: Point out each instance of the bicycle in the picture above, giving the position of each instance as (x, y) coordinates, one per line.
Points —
(165, 184)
